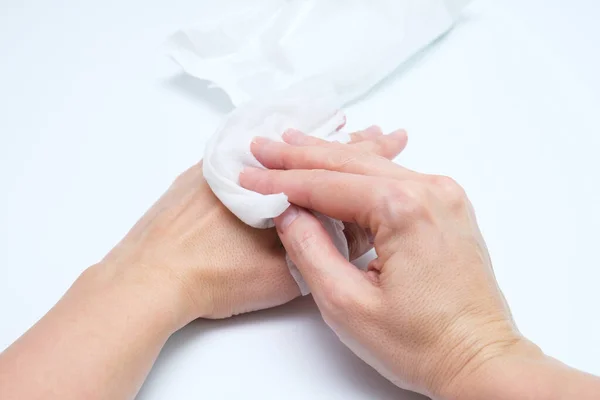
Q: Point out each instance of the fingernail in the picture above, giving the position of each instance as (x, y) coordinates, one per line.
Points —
(249, 170)
(398, 133)
(247, 177)
(260, 140)
(292, 136)
(355, 137)
(286, 219)
(374, 130)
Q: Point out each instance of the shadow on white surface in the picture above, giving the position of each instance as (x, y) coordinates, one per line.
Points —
(328, 360)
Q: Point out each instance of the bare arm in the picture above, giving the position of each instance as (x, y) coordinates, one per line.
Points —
(178, 263)
(99, 341)
(525, 374)
(188, 257)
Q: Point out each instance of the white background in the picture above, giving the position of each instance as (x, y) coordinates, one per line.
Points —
(95, 122)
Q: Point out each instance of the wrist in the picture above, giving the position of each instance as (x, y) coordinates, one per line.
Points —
(141, 291)
(501, 374)
(524, 373)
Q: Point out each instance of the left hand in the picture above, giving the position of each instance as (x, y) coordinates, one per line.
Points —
(217, 265)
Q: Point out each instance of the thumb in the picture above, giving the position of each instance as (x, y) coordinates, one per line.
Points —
(324, 269)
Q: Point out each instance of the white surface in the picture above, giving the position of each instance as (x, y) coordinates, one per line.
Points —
(95, 123)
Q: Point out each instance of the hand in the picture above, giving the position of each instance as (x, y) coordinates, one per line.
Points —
(188, 257)
(428, 312)
(219, 266)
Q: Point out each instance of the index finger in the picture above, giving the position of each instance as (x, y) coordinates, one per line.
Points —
(346, 197)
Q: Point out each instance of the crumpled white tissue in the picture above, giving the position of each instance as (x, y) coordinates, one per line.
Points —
(294, 64)
(311, 108)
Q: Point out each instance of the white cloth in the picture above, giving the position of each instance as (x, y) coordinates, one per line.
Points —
(308, 107)
(294, 64)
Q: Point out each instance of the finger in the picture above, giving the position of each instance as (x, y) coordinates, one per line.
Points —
(302, 139)
(374, 270)
(308, 245)
(358, 240)
(388, 146)
(372, 132)
(277, 155)
(298, 138)
(347, 197)
(370, 140)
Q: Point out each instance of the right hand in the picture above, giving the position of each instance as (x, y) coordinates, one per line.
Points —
(428, 313)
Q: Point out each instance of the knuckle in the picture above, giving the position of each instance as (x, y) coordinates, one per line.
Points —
(395, 191)
(182, 177)
(313, 179)
(182, 180)
(403, 202)
(294, 157)
(443, 182)
(264, 183)
(413, 209)
(340, 159)
(339, 299)
(304, 242)
(343, 306)
(451, 191)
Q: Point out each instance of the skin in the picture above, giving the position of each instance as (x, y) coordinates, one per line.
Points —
(428, 314)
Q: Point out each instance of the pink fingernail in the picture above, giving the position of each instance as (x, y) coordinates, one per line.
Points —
(374, 131)
(292, 136)
(288, 216)
(244, 176)
(398, 133)
(355, 137)
(260, 140)
(249, 170)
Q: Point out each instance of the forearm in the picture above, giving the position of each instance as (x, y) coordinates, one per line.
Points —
(99, 341)
(527, 376)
